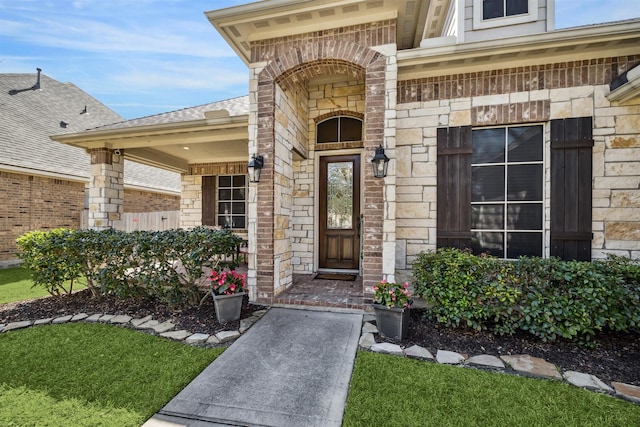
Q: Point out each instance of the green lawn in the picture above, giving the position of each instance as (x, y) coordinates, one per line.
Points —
(16, 285)
(393, 391)
(84, 374)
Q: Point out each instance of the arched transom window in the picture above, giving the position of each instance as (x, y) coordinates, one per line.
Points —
(339, 129)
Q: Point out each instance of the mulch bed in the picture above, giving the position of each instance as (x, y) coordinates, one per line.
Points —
(616, 357)
(200, 319)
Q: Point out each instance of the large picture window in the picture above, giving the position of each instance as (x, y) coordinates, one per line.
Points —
(232, 204)
(507, 185)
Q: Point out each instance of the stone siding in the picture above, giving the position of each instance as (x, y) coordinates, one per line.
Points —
(281, 72)
(106, 188)
(512, 96)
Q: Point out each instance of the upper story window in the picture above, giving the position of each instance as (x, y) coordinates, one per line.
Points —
(500, 8)
(339, 129)
(497, 13)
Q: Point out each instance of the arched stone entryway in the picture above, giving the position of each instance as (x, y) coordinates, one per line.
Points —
(279, 225)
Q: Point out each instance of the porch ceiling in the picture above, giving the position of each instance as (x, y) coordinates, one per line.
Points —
(173, 146)
(268, 19)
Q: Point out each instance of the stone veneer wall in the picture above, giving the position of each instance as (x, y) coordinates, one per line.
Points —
(323, 100)
(521, 95)
(344, 51)
(106, 188)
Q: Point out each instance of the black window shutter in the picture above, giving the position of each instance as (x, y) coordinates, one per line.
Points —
(571, 188)
(454, 187)
(209, 200)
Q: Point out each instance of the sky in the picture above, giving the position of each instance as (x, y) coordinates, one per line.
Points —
(144, 57)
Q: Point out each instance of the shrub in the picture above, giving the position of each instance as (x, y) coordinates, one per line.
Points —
(51, 259)
(548, 298)
(167, 265)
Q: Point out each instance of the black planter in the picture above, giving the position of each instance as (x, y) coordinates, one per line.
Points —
(392, 322)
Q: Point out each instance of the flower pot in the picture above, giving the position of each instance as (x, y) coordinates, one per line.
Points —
(228, 307)
(392, 322)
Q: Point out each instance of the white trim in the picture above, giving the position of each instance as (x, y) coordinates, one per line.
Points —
(481, 24)
(42, 173)
(629, 90)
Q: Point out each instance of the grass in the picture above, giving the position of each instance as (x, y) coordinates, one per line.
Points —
(393, 391)
(91, 374)
(16, 285)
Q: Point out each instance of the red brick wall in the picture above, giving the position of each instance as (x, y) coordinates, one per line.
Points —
(144, 201)
(36, 203)
(30, 202)
(551, 76)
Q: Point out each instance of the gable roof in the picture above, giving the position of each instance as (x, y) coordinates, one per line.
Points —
(29, 115)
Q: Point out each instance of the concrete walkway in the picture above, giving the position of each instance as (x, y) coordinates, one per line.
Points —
(292, 368)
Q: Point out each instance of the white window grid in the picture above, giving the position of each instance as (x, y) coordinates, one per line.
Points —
(231, 200)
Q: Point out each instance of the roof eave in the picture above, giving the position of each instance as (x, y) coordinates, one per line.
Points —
(87, 138)
(629, 90)
(516, 47)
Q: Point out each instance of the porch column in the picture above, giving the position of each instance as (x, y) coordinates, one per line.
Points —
(106, 188)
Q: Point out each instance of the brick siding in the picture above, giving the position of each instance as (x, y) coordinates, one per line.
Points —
(143, 201)
(39, 203)
(537, 77)
(294, 61)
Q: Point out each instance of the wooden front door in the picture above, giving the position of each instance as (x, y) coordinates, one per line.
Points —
(339, 212)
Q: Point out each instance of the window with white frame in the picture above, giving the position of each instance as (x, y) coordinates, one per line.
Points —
(507, 191)
(495, 13)
(231, 201)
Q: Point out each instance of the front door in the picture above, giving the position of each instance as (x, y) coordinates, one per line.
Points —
(339, 212)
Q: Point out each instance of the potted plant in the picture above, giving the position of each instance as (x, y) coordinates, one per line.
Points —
(227, 289)
(391, 305)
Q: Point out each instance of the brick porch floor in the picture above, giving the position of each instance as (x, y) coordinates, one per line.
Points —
(308, 291)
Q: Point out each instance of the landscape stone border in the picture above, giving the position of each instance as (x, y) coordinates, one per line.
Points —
(164, 329)
(523, 364)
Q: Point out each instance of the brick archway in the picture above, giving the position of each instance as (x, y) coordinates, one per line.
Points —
(300, 64)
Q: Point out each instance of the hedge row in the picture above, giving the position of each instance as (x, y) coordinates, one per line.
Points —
(167, 265)
(548, 298)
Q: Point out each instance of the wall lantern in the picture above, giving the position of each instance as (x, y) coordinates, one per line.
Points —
(254, 167)
(380, 162)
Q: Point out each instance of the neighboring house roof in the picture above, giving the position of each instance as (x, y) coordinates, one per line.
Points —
(29, 115)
